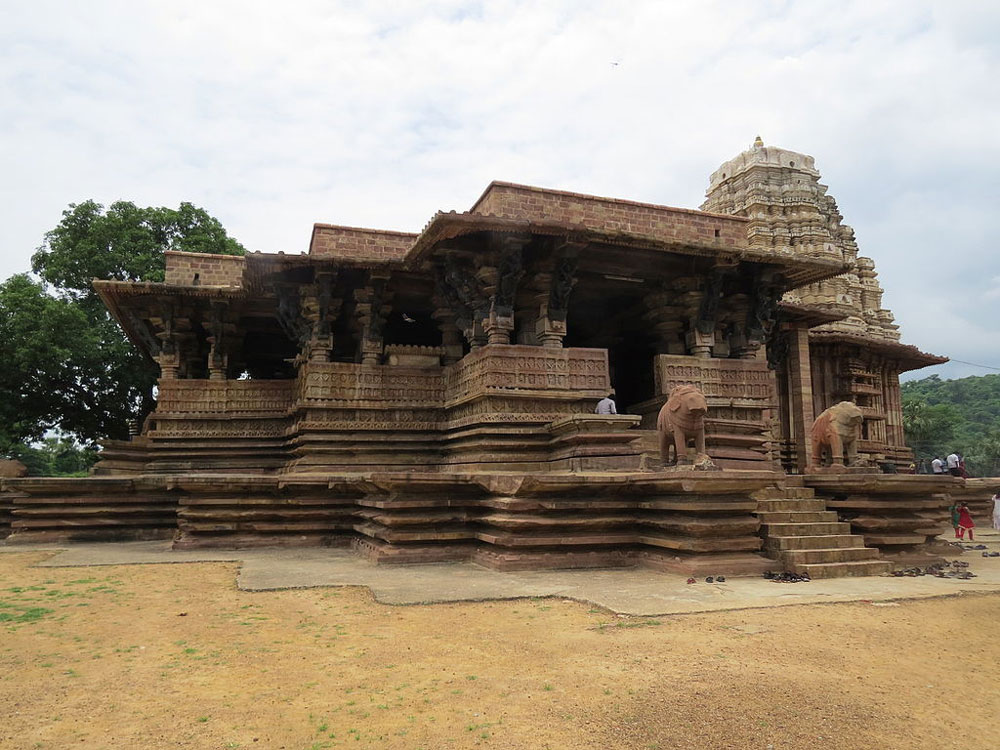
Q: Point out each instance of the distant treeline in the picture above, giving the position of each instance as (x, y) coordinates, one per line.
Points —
(963, 415)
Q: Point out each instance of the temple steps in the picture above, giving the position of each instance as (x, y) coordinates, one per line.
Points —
(826, 541)
(806, 529)
(806, 538)
(796, 516)
(829, 555)
(777, 506)
(844, 569)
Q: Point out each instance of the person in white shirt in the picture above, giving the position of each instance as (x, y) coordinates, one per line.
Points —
(606, 405)
(937, 465)
(953, 467)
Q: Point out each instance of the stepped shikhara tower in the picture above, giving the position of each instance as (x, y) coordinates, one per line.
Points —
(856, 356)
(790, 211)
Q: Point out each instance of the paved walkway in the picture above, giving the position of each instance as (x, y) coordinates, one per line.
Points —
(631, 591)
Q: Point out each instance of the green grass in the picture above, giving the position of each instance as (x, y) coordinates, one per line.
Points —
(10, 612)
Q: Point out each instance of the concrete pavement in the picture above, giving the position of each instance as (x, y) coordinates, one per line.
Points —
(640, 591)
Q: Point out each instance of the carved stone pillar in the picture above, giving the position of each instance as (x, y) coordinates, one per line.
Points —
(291, 318)
(800, 392)
(464, 296)
(699, 343)
(500, 283)
(169, 365)
(218, 357)
(320, 309)
(665, 319)
(451, 334)
(372, 309)
(167, 357)
(550, 325)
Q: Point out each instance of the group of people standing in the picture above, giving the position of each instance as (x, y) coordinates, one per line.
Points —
(954, 464)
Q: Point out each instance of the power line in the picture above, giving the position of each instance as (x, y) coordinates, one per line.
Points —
(973, 364)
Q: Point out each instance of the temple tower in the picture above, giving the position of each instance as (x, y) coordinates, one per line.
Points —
(790, 211)
(855, 354)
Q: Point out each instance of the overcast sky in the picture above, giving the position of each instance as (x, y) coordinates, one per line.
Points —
(273, 116)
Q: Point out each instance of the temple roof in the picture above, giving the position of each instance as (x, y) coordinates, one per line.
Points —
(808, 314)
(512, 208)
(909, 356)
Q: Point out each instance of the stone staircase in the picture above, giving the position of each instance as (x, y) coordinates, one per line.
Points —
(805, 537)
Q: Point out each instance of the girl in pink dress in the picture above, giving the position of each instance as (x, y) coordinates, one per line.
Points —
(964, 521)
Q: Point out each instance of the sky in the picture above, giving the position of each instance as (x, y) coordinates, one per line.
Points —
(273, 116)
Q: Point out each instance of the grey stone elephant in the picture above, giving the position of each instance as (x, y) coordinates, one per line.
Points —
(682, 418)
(836, 431)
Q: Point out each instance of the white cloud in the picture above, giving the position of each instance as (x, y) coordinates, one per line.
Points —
(378, 114)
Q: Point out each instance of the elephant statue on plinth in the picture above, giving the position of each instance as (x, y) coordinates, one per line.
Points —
(837, 431)
(681, 419)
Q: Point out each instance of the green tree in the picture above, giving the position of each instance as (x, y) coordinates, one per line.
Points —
(66, 362)
(928, 428)
(50, 366)
(963, 415)
(125, 243)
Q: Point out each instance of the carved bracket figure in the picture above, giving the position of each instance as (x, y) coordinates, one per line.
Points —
(297, 328)
(762, 315)
(563, 281)
(509, 273)
(836, 432)
(682, 419)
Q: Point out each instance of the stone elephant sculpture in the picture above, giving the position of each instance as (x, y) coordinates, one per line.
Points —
(837, 431)
(12, 468)
(682, 418)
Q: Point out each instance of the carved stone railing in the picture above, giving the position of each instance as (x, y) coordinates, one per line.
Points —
(741, 396)
(505, 370)
(723, 381)
(347, 384)
(225, 396)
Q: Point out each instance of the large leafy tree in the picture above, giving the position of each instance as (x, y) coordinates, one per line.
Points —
(124, 243)
(51, 360)
(66, 363)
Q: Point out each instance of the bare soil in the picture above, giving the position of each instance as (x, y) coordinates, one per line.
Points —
(166, 656)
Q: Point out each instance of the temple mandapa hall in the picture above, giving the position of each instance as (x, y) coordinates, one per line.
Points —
(431, 396)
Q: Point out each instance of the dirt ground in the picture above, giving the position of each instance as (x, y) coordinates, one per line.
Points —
(165, 656)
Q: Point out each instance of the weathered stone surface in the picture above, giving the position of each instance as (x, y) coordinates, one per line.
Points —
(10, 468)
(895, 513)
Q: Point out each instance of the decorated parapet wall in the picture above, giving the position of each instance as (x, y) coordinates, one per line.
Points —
(493, 405)
(741, 395)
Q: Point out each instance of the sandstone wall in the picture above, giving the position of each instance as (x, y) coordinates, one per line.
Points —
(204, 269)
(612, 215)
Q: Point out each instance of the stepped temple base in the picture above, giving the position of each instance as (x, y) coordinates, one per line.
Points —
(693, 523)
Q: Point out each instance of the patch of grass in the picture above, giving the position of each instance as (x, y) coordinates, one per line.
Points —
(626, 624)
(22, 614)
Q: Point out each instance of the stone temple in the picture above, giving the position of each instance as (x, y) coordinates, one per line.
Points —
(430, 396)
